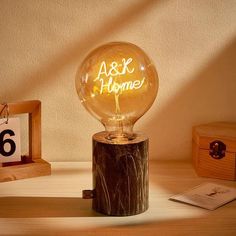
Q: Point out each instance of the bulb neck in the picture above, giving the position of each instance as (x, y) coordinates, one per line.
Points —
(119, 130)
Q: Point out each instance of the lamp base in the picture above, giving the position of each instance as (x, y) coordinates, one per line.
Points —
(120, 176)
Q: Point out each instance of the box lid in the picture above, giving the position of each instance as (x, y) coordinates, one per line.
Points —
(204, 134)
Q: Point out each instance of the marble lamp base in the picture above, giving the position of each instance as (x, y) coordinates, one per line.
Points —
(120, 176)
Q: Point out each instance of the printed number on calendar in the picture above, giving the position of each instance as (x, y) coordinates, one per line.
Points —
(10, 140)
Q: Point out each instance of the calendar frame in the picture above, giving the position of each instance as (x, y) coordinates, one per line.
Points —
(31, 165)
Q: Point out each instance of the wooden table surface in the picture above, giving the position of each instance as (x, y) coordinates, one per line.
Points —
(52, 205)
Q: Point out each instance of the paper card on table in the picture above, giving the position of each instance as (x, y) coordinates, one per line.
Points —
(208, 195)
(10, 148)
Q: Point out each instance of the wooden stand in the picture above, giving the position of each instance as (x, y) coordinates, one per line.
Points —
(32, 165)
(120, 176)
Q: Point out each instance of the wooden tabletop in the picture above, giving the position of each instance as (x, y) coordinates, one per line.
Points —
(52, 205)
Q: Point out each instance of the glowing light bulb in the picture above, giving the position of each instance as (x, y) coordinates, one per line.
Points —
(117, 83)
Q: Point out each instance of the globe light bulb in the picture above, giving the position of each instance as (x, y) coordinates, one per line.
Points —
(117, 83)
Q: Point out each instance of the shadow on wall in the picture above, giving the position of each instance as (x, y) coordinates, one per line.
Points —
(48, 74)
(210, 96)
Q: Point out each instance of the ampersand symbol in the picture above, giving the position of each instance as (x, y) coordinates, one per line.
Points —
(113, 71)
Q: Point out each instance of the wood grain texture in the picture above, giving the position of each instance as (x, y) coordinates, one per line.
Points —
(120, 175)
(204, 163)
(206, 133)
(38, 167)
(216, 168)
(32, 165)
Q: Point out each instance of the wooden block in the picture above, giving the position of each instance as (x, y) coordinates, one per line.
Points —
(217, 161)
(38, 167)
(32, 165)
(120, 176)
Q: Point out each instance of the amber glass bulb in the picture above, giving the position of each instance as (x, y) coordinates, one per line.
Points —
(117, 83)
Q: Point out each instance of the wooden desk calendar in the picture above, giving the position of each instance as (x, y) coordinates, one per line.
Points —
(31, 165)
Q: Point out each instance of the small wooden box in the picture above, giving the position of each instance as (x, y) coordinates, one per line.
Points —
(214, 150)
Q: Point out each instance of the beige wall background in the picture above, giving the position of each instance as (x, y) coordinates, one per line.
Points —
(192, 44)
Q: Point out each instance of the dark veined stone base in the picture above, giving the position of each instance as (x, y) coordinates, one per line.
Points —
(120, 176)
